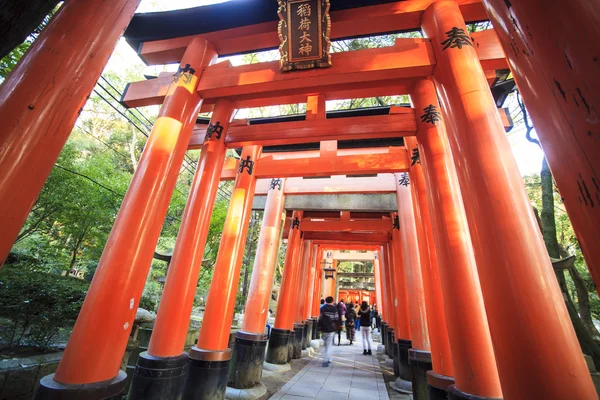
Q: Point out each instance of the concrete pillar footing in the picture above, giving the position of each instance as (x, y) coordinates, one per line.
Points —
(402, 386)
(276, 367)
(246, 394)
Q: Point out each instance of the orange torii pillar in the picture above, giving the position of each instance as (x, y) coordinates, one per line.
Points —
(541, 359)
(301, 342)
(378, 285)
(391, 305)
(278, 349)
(209, 358)
(316, 303)
(295, 347)
(165, 351)
(419, 355)
(250, 343)
(308, 302)
(441, 357)
(105, 320)
(402, 341)
(552, 49)
(43, 96)
(473, 359)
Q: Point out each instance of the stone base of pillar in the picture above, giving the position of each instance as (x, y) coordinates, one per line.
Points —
(437, 386)
(315, 344)
(405, 370)
(455, 394)
(309, 326)
(53, 390)
(245, 369)
(297, 341)
(157, 378)
(276, 367)
(420, 363)
(246, 394)
(395, 354)
(315, 328)
(278, 351)
(207, 374)
(389, 339)
(384, 336)
(304, 335)
(402, 386)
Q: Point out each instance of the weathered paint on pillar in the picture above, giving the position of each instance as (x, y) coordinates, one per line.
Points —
(42, 97)
(259, 293)
(111, 303)
(173, 317)
(378, 284)
(473, 359)
(403, 318)
(436, 318)
(286, 301)
(412, 268)
(541, 359)
(553, 51)
(304, 265)
(220, 302)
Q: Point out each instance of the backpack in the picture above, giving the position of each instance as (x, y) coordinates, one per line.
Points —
(329, 320)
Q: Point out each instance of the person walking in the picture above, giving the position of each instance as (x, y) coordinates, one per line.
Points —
(342, 311)
(329, 323)
(350, 320)
(364, 314)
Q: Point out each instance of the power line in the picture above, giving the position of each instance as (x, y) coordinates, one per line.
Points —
(189, 164)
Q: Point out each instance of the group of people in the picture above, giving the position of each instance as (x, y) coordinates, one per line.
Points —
(333, 317)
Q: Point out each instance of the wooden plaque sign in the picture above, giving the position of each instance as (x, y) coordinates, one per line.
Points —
(304, 27)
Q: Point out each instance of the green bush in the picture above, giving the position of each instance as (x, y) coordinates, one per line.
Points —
(38, 303)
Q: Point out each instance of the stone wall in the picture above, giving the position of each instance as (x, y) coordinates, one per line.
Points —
(20, 377)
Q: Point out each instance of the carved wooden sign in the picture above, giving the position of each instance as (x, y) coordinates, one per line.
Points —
(304, 27)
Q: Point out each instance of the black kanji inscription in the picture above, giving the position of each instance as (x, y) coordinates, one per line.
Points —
(247, 163)
(275, 184)
(214, 129)
(457, 38)
(186, 72)
(404, 180)
(416, 159)
(431, 115)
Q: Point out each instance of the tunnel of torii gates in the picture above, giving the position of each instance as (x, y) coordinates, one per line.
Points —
(470, 303)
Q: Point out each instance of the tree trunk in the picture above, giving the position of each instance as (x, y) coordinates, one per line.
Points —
(19, 18)
(583, 301)
(584, 334)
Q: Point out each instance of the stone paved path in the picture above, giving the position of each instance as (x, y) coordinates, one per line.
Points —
(351, 376)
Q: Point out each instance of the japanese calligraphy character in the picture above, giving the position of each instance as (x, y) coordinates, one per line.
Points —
(216, 128)
(305, 49)
(456, 38)
(305, 38)
(431, 115)
(305, 24)
(304, 10)
(404, 180)
(247, 163)
(296, 223)
(416, 159)
(187, 72)
(275, 184)
(396, 223)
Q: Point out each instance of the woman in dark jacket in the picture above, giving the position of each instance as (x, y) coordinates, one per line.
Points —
(350, 319)
(364, 313)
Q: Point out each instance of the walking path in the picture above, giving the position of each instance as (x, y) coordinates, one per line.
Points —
(350, 376)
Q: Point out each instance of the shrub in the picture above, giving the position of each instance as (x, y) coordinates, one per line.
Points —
(38, 303)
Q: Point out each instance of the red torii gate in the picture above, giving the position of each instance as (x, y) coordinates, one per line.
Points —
(465, 160)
